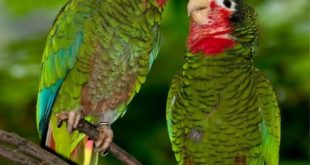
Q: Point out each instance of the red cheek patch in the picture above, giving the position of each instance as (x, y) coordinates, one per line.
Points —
(214, 38)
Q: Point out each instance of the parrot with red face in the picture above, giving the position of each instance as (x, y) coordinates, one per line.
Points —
(97, 56)
(221, 109)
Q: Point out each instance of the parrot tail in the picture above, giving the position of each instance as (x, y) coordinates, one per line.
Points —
(83, 154)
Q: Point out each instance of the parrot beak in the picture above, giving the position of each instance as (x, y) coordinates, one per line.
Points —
(198, 10)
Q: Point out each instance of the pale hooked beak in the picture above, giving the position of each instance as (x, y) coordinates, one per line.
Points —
(198, 10)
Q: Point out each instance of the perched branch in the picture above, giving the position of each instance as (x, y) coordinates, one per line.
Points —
(115, 150)
(22, 151)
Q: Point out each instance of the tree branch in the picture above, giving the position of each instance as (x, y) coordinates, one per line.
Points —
(90, 130)
(22, 151)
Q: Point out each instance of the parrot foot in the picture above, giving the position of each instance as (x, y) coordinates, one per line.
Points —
(72, 117)
(105, 137)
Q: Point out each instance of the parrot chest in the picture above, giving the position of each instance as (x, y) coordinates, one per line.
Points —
(220, 111)
(118, 50)
(109, 85)
(224, 102)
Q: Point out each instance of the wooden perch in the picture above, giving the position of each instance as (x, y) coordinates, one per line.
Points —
(21, 151)
(119, 153)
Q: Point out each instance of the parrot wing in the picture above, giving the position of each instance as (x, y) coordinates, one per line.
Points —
(270, 125)
(172, 123)
(59, 57)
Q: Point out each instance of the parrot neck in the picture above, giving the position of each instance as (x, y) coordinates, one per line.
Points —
(232, 59)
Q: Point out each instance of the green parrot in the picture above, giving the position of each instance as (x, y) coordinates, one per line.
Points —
(97, 55)
(221, 109)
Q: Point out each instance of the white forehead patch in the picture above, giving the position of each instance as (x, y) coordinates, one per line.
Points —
(232, 6)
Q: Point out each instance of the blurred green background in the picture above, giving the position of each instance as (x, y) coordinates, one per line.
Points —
(283, 54)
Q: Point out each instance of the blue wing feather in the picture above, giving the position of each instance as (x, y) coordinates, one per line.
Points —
(46, 100)
(54, 70)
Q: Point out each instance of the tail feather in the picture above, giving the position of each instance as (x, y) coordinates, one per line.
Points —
(89, 147)
(50, 141)
(83, 153)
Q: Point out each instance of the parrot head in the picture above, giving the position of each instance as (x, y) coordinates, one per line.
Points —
(216, 25)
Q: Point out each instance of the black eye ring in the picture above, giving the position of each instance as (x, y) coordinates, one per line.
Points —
(227, 3)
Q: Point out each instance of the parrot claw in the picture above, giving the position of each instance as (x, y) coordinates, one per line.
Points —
(60, 118)
(105, 153)
(72, 117)
(59, 123)
(104, 140)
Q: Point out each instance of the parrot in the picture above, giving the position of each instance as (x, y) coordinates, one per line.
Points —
(97, 55)
(221, 109)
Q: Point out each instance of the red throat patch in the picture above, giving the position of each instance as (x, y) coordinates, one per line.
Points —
(212, 38)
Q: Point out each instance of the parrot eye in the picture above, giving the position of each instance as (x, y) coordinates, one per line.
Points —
(227, 3)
